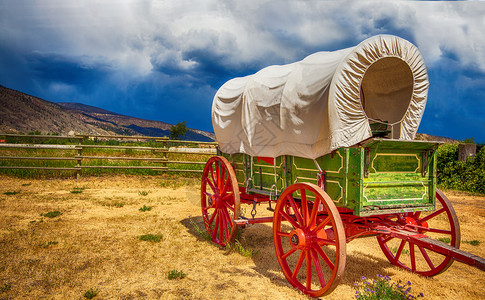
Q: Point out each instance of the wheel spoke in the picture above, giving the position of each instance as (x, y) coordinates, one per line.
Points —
(230, 220)
(212, 185)
(228, 206)
(286, 234)
(304, 208)
(225, 223)
(207, 194)
(296, 210)
(413, 258)
(325, 242)
(324, 223)
(214, 182)
(313, 217)
(222, 176)
(216, 227)
(212, 218)
(426, 257)
(308, 270)
(324, 256)
(221, 228)
(318, 267)
(399, 251)
(226, 185)
(218, 182)
(298, 264)
(434, 214)
(227, 197)
(289, 219)
(290, 252)
(387, 239)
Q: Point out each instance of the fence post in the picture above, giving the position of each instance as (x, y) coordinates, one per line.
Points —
(79, 161)
(164, 155)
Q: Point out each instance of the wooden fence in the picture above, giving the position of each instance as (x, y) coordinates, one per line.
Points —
(159, 154)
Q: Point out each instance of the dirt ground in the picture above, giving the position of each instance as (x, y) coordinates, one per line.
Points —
(94, 245)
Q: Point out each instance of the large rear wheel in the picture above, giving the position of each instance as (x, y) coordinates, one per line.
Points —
(309, 239)
(220, 200)
(442, 225)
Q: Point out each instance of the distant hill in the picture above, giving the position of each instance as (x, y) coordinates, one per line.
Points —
(20, 112)
(428, 137)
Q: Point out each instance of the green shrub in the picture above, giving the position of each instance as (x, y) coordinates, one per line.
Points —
(91, 293)
(174, 274)
(145, 208)
(466, 175)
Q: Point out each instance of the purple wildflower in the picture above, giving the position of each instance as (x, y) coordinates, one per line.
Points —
(363, 278)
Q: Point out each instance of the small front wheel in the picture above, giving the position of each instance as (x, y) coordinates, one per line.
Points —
(220, 200)
(309, 239)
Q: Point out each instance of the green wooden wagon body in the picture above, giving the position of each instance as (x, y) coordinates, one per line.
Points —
(378, 176)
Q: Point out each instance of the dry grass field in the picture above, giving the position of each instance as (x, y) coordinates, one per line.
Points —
(94, 244)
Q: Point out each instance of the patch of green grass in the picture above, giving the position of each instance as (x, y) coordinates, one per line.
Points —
(91, 293)
(145, 208)
(154, 238)
(445, 240)
(174, 274)
(52, 214)
(11, 193)
(77, 190)
(243, 250)
(5, 288)
(472, 242)
(118, 204)
(143, 193)
(48, 244)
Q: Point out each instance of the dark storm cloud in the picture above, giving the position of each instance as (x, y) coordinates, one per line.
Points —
(48, 67)
(165, 60)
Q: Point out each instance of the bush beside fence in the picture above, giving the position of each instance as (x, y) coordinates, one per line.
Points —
(468, 175)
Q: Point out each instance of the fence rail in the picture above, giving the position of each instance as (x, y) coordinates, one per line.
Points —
(155, 158)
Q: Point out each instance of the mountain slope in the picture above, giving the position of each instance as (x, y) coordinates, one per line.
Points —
(20, 112)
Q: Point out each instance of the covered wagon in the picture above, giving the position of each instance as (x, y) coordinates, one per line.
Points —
(329, 140)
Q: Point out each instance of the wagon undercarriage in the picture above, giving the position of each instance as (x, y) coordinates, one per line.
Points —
(310, 232)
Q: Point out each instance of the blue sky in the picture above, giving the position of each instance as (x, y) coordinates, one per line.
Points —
(164, 60)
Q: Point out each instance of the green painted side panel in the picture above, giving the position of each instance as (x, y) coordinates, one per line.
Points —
(378, 177)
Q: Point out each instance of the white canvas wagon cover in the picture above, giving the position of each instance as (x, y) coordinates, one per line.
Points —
(325, 101)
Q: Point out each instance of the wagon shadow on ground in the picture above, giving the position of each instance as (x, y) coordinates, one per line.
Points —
(260, 238)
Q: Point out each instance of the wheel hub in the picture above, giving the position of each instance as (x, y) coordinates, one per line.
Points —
(299, 238)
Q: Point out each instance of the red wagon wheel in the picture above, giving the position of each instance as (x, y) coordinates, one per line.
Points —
(220, 200)
(442, 225)
(309, 239)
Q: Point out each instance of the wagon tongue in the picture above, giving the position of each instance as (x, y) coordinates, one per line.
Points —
(439, 247)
